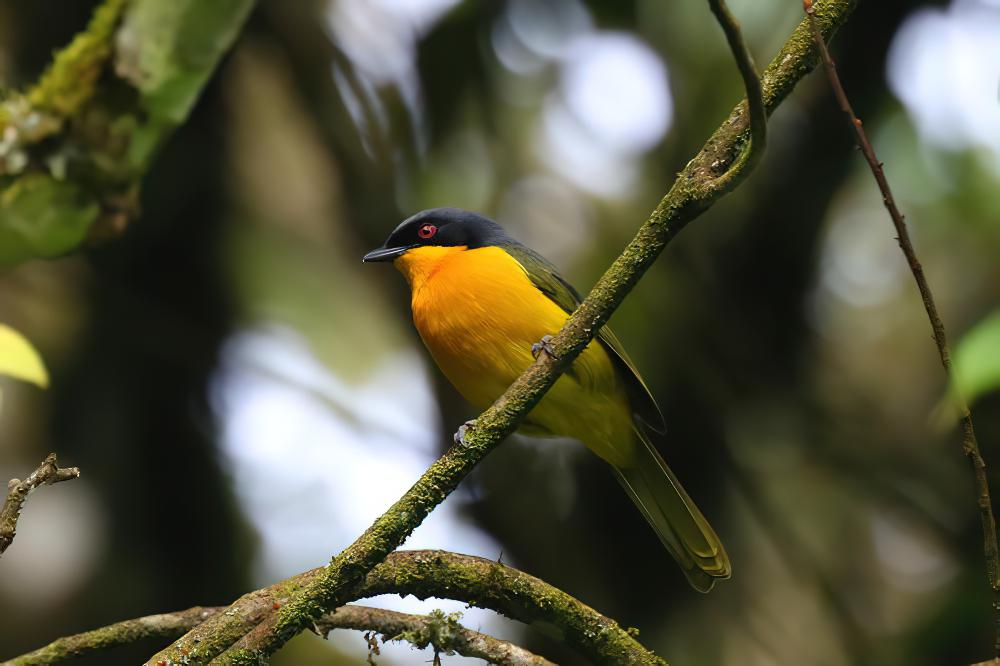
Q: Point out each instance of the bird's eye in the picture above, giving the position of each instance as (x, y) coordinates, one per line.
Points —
(427, 231)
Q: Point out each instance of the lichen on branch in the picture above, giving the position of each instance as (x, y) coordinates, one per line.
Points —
(423, 573)
(438, 630)
(71, 78)
(431, 573)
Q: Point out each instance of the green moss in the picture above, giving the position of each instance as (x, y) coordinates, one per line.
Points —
(72, 77)
(441, 630)
(246, 658)
(517, 595)
(166, 627)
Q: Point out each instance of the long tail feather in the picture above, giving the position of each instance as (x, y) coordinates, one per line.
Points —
(674, 517)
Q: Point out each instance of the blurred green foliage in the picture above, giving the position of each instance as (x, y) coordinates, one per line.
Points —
(77, 142)
(977, 359)
(43, 217)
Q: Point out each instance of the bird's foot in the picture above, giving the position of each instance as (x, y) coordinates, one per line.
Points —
(544, 345)
(462, 429)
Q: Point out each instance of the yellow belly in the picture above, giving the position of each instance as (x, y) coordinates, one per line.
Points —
(478, 314)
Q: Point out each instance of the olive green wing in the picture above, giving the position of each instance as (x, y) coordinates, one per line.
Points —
(545, 276)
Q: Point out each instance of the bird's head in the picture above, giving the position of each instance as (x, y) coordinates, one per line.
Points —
(450, 229)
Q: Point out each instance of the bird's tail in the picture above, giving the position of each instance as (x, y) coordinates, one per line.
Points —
(673, 515)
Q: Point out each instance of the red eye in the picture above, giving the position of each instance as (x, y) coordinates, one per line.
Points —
(427, 231)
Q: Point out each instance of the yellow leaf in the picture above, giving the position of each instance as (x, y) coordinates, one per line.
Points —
(19, 359)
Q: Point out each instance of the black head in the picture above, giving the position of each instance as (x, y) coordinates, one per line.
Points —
(439, 227)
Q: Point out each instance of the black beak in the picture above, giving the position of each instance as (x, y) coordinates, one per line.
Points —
(385, 253)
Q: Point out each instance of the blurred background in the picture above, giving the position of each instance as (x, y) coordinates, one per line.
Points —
(244, 397)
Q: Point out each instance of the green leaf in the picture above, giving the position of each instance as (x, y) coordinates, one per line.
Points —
(977, 359)
(19, 359)
(41, 217)
(168, 50)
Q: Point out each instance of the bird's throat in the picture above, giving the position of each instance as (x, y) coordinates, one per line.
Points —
(421, 263)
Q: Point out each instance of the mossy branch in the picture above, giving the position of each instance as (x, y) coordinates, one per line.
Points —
(423, 573)
(438, 630)
(513, 593)
(724, 161)
(164, 626)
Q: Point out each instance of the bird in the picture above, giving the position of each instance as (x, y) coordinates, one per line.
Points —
(482, 303)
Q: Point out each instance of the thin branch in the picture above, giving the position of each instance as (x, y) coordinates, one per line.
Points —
(438, 630)
(970, 445)
(17, 492)
(166, 626)
(719, 167)
(751, 81)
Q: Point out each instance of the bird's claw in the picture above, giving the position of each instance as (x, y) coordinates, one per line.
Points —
(460, 434)
(545, 344)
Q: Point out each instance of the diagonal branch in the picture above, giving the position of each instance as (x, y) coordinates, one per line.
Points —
(970, 445)
(48, 472)
(718, 168)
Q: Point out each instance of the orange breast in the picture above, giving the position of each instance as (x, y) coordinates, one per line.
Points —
(478, 313)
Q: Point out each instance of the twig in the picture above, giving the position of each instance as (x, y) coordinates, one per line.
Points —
(751, 80)
(722, 163)
(164, 626)
(17, 492)
(437, 629)
(969, 444)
